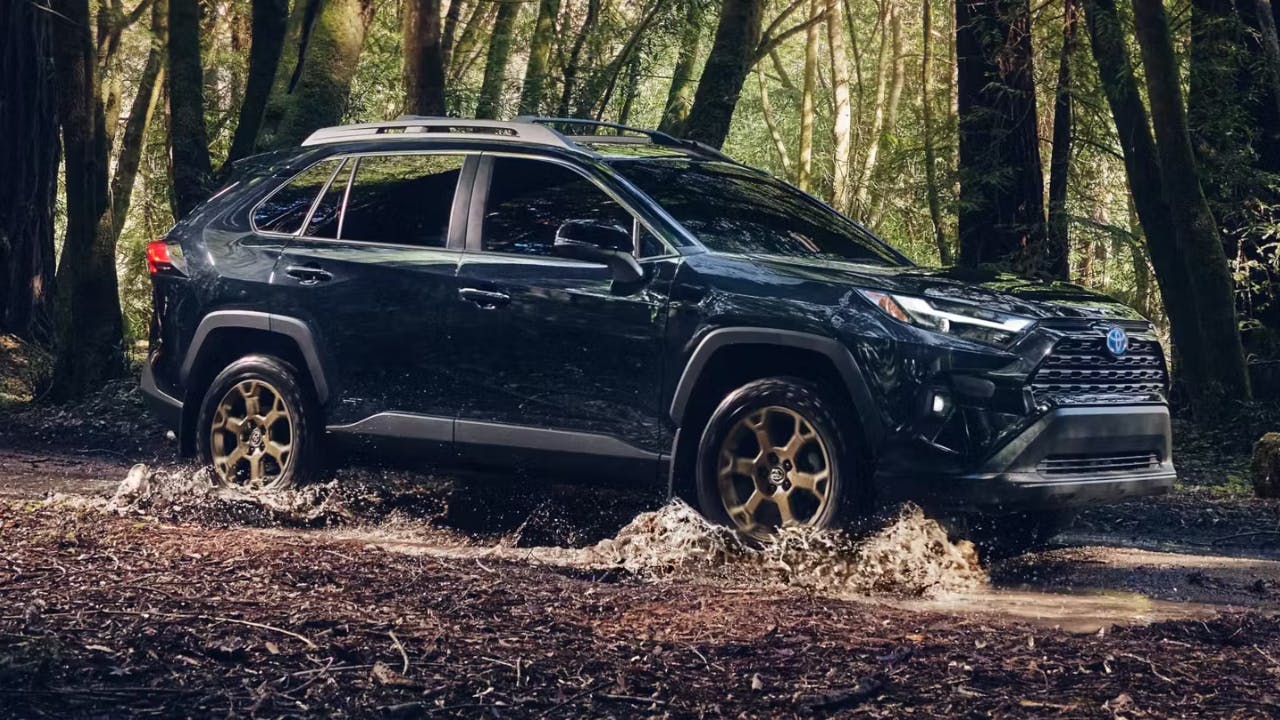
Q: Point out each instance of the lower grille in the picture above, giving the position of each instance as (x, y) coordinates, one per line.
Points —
(1085, 464)
(1079, 369)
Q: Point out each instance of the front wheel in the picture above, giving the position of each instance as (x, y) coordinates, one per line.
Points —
(777, 453)
(256, 426)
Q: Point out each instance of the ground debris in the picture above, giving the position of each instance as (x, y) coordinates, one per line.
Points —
(109, 615)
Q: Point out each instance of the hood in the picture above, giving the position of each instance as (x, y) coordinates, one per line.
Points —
(985, 288)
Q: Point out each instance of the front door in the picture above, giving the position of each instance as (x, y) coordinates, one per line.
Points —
(374, 273)
(561, 367)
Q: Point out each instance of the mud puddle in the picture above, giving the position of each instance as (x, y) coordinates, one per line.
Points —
(908, 562)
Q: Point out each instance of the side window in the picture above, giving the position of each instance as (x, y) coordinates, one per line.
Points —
(286, 209)
(530, 199)
(403, 199)
(324, 220)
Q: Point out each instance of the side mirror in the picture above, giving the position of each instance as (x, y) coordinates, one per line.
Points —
(606, 244)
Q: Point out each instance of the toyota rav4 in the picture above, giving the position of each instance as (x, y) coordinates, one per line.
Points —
(583, 299)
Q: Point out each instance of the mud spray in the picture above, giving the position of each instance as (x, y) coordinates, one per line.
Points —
(909, 555)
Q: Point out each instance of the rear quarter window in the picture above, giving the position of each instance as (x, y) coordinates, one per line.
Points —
(286, 209)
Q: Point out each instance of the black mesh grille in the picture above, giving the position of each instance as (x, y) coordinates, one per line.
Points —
(1081, 370)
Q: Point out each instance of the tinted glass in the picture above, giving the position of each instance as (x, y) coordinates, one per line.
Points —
(530, 199)
(735, 209)
(324, 220)
(286, 209)
(404, 199)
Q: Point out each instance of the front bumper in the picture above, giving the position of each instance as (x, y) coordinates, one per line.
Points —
(1069, 458)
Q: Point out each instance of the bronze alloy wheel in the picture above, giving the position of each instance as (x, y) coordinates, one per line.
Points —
(774, 470)
(251, 435)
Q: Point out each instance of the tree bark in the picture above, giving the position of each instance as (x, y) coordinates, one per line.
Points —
(1002, 219)
(140, 114)
(535, 73)
(879, 197)
(842, 128)
(269, 20)
(804, 163)
(423, 58)
(775, 135)
(731, 58)
(680, 95)
(28, 183)
(88, 319)
(1058, 248)
(872, 139)
(449, 34)
(945, 256)
(464, 52)
(188, 138)
(1195, 229)
(313, 82)
(1142, 168)
(495, 68)
(574, 64)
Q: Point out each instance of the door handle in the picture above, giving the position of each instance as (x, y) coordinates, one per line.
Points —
(308, 274)
(486, 299)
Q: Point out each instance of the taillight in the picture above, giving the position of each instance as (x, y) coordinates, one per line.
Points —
(164, 257)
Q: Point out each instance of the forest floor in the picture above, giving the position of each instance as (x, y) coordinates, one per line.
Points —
(393, 593)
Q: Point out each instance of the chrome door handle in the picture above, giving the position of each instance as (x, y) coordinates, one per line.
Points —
(486, 299)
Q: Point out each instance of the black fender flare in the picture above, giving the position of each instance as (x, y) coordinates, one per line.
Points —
(290, 327)
(854, 380)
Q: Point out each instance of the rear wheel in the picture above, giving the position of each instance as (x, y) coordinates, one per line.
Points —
(256, 425)
(776, 453)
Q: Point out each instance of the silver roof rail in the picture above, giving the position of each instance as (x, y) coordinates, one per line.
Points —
(415, 125)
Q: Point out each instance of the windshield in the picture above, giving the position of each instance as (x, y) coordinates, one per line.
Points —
(734, 209)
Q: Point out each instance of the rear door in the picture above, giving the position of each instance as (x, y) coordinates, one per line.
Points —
(563, 368)
(373, 273)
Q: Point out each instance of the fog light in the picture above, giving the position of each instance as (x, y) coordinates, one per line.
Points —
(940, 403)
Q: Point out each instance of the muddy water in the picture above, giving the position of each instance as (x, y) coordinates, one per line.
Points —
(909, 562)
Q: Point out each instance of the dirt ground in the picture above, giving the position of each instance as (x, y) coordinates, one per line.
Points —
(410, 595)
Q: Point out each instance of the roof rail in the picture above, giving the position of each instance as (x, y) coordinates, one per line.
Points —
(655, 137)
(415, 125)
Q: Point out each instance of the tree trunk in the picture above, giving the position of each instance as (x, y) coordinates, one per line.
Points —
(449, 34)
(140, 114)
(779, 145)
(423, 58)
(879, 197)
(267, 41)
(631, 90)
(1197, 234)
(1142, 168)
(872, 140)
(842, 129)
(732, 54)
(573, 66)
(89, 323)
(804, 163)
(28, 183)
(495, 67)
(463, 53)
(313, 82)
(1058, 248)
(535, 73)
(1002, 219)
(945, 256)
(680, 94)
(188, 138)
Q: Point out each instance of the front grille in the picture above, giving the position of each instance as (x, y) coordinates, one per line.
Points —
(1079, 369)
(1082, 464)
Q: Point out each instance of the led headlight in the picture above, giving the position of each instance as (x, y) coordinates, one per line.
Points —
(966, 321)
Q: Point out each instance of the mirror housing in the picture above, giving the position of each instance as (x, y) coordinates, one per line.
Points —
(599, 243)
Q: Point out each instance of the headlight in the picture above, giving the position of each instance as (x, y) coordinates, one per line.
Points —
(966, 321)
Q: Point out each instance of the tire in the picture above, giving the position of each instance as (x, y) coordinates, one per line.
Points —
(1004, 536)
(271, 450)
(787, 475)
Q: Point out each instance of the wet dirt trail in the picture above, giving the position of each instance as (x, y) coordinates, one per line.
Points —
(393, 594)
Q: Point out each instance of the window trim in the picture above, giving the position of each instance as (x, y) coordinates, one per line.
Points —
(474, 242)
(253, 223)
(462, 194)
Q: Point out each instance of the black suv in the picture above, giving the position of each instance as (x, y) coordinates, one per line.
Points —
(577, 298)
